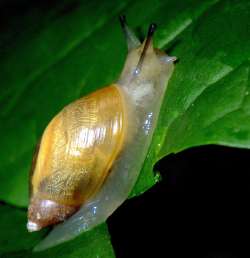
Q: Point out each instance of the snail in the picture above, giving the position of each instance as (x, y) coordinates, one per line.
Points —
(90, 154)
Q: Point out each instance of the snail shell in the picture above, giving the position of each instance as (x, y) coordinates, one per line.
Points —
(91, 153)
(76, 153)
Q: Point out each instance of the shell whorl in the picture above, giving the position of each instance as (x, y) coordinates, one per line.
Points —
(78, 148)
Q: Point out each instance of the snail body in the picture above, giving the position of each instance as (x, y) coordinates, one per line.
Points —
(91, 153)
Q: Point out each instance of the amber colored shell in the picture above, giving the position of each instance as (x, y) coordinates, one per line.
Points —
(78, 148)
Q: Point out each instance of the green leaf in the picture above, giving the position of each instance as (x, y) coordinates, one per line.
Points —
(208, 98)
(15, 241)
(51, 56)
(207, 101)
(13, 236)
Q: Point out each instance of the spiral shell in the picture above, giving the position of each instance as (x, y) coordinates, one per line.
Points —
(77, 151)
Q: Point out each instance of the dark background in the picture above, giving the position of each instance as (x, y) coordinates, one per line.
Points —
(199, 209)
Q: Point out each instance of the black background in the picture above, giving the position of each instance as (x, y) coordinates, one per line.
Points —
(199, 209)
